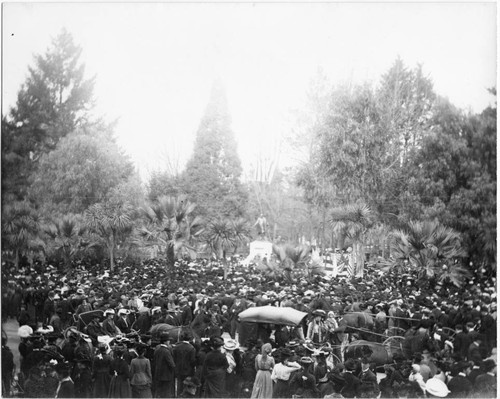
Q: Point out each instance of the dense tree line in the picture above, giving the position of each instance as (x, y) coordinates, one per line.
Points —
(375, 161)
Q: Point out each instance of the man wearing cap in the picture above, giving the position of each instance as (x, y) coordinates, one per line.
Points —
(164, 369)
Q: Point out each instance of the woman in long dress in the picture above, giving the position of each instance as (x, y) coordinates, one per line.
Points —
(214, 370)
(120, 382)
(141, 378)
(264, 363)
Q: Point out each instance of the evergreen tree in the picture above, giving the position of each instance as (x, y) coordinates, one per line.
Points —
(212, 175)
(54, 100)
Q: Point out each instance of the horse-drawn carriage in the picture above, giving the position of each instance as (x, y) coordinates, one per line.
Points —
(363, 341)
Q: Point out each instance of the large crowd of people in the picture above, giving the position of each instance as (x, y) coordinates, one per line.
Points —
(447, 344)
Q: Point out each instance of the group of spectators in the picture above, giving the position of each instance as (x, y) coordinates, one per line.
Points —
(447, 346)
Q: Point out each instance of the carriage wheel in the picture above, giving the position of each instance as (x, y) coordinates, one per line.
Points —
(396, 331)
(394, 345)
(334, 359)
(449, 331)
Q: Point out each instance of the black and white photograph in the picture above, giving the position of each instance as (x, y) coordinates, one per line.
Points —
(249, 199)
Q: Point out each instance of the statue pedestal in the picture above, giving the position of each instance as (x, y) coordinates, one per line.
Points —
(262, 249)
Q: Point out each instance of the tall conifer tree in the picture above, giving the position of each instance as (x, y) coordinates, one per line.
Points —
(212, 175)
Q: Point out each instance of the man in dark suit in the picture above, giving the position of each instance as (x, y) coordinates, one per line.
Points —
(352, 386)
(485, 385)
(236, 308)
(488, 328)
(164, 369)
(460, 386)
(66, 388)
(186, 312)
(368, 379)
(184, 355)
(461, 341)
(286, 334)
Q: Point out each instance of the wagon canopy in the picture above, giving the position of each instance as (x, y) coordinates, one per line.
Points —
(272, 315)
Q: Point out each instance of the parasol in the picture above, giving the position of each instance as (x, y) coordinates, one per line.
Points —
(273, 315)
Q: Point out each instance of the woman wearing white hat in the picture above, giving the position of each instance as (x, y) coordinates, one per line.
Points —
(234, 362)
(108, 324)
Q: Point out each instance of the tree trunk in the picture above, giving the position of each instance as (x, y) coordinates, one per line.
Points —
(224, 263)
(16, 259)
(360, 259)
(170, 256)
(111, 253)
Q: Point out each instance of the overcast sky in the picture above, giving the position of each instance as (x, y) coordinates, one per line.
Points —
(156, 62)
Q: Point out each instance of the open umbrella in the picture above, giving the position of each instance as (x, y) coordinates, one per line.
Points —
(273, 315)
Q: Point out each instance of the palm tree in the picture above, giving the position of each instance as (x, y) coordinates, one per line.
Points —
(169, 224)
(432, 250)
(242, 232)
(223, 235)
(291, 258)
(65, 237)
(20, 230)
(107, 221)
(353, 222)
(219, 235)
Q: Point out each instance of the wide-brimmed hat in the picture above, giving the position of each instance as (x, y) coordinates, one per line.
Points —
(292, 344)
(24, 331)
(436, 387)
(306, 360)
(319, 312)
(231, 345)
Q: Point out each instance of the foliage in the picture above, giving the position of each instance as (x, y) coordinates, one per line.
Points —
(81, 171)
(163, 183)
(65, 238)
(170, 226)
(353, 221)
(21, 225)
(55, 100)
(212, 174)
(432, 250)
(453, 178)
(108, 222)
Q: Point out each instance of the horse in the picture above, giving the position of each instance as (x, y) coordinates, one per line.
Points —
(375, 352)
(174, 332)
(361, 323)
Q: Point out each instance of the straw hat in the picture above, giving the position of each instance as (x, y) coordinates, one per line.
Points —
(230, 345)
(436, 387)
